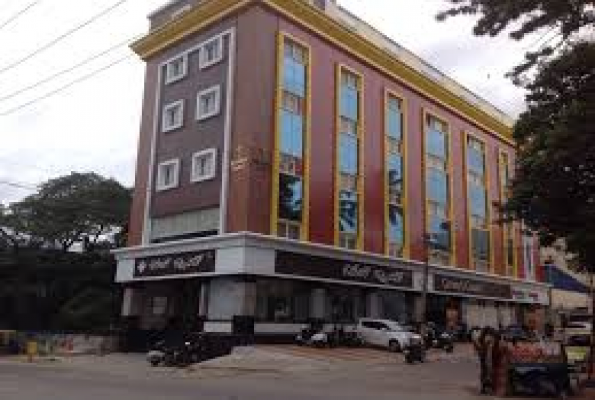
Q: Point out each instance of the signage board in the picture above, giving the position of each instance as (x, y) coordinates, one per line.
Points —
(175, 264)
(289, 263)
(463, 286)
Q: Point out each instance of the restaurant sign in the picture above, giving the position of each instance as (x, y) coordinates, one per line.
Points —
(175, 264)
(449, 284)
(329, 268)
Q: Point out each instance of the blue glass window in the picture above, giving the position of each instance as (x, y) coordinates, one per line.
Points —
(348, 154)
(395, 174)
(439, 230)
(294, 77)
(475, 160)
(349, 103)
(348, 212)
(394, 124)
(437, 186)
(481, 244)
(291, 134)
(436, 144)
(290, 197)
(477, 200)
(396, 226)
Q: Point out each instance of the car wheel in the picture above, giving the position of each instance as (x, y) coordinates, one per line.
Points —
(394, 346)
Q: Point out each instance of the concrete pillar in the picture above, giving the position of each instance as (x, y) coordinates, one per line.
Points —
(203, 302)
(317, 303)
(418, 311)
(249, 305)
(132, 302)
(373, 305)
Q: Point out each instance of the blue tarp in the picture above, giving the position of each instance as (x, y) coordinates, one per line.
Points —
(562, 280)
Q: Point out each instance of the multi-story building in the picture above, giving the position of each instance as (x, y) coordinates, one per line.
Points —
(296, 164)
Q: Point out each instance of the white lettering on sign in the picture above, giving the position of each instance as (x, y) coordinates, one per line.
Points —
(366, 272)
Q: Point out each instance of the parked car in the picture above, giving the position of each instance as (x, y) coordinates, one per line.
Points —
(385, 333)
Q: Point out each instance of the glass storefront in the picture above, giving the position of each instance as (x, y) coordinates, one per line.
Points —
(287, 301)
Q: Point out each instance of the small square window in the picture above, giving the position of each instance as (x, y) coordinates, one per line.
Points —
(168, 175)
(176, 69)
(159, 306)
(173, 116)
(211, 52)
(208, 103)
(204, 165)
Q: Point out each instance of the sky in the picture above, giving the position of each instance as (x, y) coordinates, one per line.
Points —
(93, 125)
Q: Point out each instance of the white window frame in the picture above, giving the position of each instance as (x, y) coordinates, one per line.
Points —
(165, 127)
(212, 153)
(212, 90)
(160, 185)
(168, 68)
(203, 63)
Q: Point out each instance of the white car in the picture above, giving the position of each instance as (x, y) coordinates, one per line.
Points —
(385, 333)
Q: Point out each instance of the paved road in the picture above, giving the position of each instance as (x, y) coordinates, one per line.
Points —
(128, 378)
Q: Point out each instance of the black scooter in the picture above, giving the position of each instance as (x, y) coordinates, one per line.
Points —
(191, 350)
(415, 351)
(438, 339)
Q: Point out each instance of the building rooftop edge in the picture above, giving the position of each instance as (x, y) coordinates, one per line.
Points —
(497, 112)
(392, 49)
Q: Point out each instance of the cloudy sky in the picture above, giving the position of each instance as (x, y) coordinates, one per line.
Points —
(93, 125)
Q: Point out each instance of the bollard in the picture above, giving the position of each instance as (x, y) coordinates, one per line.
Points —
(31, 350)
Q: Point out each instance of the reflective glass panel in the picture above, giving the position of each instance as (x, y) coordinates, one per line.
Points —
(437, 186)
(439, 230)
(396, 227)
(348, 154)
(348, 212)
(436, 144)
(395, 176)
(477, 200)
(291, 134)
(290, 197)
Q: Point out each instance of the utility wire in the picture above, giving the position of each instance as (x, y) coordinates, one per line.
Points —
(18, 14)
(67, 70)
(61, 37)
(17, 185)
(62, 88)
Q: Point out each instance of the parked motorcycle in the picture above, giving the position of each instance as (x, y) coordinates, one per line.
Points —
(438, 339)
(191, 350)
(340, 337)
(312, 335)
(415, 351)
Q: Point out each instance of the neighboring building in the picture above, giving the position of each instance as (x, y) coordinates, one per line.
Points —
(571, 291)
(294, 164)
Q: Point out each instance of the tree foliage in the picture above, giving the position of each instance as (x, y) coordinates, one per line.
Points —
(554, 189)
(68, 209)
(560, 22)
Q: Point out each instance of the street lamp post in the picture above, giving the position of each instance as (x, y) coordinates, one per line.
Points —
(429, 241)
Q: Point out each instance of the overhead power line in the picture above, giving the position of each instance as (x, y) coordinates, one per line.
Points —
(17, 185)
(67, 70)
(68, 85)
(18, 14)
(57, 40)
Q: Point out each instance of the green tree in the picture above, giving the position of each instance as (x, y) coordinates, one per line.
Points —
(68, 209)
(553, 191)
(560, 23)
